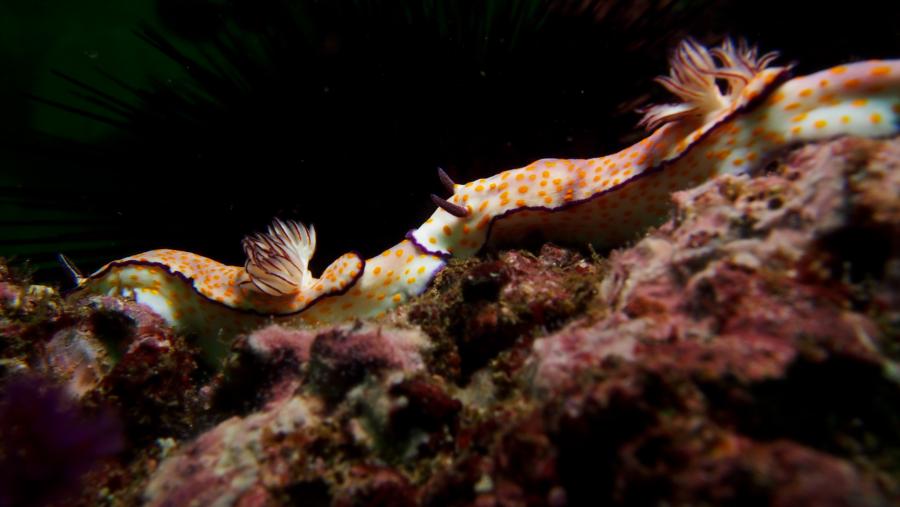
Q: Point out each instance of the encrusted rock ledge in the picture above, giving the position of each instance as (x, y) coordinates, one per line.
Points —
(745, 351)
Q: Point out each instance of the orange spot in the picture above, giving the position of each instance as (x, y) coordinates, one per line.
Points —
(520, 203)
(411, 279)
(820, 124)
(792, 106)
(432, 240)
(483, 205)
(799, 118)
(778, 97)
(806, 92)
(738, 162)
(851, 83)
(845, 119)
(751, 156)
(397, 298)
(875, 118)
(828, 98)
(465, 229)
(400, 252)
(520, 177)
(483, 223)
(859, 102)
(479, 188)
(881, 70)
(796, 130)
(503, 186)
(447, 230)
(523, 189)
(839, 70)
(545, 174)
(548, 199)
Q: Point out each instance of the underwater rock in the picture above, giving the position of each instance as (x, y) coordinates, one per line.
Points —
(78, 357)
(746, 274)
(376, 486)
(343, 356)
(486, 311)
(744, 351)
(235, 462)
(265, 366)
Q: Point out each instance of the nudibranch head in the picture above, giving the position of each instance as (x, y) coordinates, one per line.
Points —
(693, 78)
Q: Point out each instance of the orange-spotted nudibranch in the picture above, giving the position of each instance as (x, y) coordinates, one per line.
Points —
(601, 201)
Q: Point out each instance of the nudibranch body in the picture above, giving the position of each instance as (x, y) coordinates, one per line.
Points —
(601, 201)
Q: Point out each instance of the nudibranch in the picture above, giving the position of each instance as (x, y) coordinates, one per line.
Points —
(736, 109)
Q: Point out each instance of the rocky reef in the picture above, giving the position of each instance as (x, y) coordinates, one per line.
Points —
(745, 352)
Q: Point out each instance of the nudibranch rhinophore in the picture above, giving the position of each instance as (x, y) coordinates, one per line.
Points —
(736, 110)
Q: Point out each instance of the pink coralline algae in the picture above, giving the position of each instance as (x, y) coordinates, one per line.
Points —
(745, 351)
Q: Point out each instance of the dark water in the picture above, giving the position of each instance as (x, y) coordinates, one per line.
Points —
(188, 124)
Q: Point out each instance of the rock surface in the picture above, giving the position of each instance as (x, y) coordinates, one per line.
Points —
(745, 352)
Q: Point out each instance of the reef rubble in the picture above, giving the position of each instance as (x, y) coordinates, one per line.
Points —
(744, 352)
